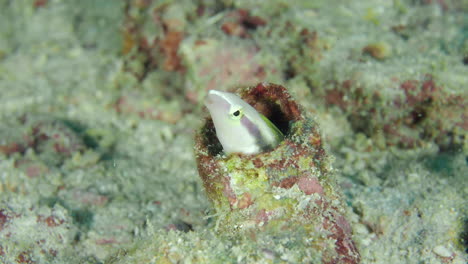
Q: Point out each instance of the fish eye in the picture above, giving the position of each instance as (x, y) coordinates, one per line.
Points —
(236, 113)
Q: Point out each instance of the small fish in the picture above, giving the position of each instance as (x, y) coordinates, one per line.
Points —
(239, 127)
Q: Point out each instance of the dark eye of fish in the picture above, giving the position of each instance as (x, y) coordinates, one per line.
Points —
(236, 113)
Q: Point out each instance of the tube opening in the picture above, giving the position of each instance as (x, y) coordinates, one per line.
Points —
(271, 100)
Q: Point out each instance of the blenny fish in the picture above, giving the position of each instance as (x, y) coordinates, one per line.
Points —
(239, 127)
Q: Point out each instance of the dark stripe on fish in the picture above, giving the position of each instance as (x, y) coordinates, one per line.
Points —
(255, 132)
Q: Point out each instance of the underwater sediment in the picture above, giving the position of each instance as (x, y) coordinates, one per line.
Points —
(288, 191)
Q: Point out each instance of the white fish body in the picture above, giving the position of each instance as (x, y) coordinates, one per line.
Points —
(239, 127)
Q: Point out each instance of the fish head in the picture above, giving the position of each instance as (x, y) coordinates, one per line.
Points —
(234, 123)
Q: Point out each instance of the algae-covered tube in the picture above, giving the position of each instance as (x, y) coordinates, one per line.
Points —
(285, 188)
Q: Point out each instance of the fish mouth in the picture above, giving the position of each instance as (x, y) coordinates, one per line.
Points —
(214, 100)
(210, 100)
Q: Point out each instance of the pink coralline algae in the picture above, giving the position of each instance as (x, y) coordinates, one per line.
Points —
(290, 191)
(420, 111)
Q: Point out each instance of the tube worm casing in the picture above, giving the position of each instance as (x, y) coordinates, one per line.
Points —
(286, 190)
